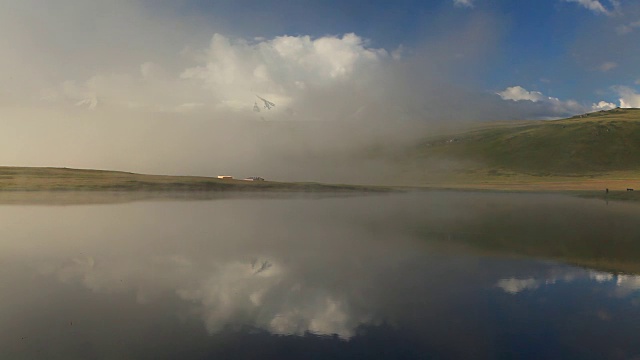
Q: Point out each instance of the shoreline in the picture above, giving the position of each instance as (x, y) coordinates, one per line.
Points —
(60, 182)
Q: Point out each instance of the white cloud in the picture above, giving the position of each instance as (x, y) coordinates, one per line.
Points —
(629, 98)
(593, 5)
(283, 68)
(518, 93)
(609, 65)
(627, 28)
(229, 73)
(463, 3)
(603, 105)
(551, 104)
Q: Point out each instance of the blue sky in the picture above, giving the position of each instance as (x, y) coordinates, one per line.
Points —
(565, 49)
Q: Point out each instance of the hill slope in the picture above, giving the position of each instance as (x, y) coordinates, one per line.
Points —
(586, 144)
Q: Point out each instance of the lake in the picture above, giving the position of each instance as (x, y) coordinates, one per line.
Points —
(423, 275)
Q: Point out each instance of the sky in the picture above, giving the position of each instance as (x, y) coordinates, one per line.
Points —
(124, 83)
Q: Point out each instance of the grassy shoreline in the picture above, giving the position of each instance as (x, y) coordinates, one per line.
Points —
(24, 179)
(63, 180)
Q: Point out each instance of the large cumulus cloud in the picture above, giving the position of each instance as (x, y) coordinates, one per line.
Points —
(301, 75)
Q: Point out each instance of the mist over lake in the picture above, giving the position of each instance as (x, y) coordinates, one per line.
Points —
(409, 275)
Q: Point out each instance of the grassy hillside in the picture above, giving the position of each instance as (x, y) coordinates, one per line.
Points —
(60, 179)
(586, 152)
(587, 144)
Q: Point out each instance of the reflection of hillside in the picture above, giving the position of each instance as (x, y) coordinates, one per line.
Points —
(582, 233)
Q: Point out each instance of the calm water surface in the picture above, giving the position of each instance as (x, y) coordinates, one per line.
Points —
(437, 275)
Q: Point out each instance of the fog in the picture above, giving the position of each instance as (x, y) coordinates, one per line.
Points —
(131, 86)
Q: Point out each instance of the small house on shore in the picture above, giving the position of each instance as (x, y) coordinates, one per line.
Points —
(225, 177)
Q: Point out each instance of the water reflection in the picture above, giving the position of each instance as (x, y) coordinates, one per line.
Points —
(347, 277)
(623, 284)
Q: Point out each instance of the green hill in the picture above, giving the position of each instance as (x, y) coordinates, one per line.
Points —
(586, 144)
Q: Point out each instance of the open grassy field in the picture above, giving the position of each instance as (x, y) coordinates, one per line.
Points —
(63, 179)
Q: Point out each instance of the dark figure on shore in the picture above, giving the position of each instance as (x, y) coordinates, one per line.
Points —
(606, 190)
